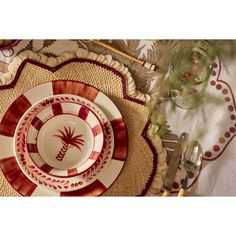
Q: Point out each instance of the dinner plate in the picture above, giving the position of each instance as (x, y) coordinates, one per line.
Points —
(61, 134)
(104, 171)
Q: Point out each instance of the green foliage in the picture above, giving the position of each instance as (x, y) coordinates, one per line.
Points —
(190, 65)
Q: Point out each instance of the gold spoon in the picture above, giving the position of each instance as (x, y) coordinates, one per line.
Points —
(192, 159)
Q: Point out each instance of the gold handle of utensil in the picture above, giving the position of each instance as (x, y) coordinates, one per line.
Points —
(166, 193)
(181, 193)
(146, 64)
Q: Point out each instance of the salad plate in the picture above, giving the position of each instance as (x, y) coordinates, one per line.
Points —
(48, 141)
(49, 163)
(61, 134)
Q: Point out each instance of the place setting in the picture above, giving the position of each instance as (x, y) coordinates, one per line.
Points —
(82, 123)
(65, 133)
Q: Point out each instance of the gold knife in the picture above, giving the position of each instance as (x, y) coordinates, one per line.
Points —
(174, 163)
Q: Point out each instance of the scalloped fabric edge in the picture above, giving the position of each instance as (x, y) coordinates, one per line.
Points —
(80, 53)
(7, 78)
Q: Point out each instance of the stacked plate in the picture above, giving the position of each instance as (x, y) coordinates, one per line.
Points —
(62, 138)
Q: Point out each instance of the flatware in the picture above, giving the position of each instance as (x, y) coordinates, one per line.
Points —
(146, 64)
(192, 159)
(174, 163)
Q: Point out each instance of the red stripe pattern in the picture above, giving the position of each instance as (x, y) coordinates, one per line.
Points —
(57, 109)
(47, 168)
(83, 113)
(75, 88)
(94, 155)
(97, 130)
(121, 139)
(32, 147)
(72, 172)
(37, 123)
(94, 189)
(12, 116)
(16, 177)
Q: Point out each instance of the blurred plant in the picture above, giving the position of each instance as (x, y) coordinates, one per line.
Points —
(184, 81)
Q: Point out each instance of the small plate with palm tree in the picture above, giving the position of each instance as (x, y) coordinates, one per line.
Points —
(68, 142)
(62, 137)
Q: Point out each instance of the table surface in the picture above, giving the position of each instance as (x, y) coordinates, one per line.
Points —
(217, 174)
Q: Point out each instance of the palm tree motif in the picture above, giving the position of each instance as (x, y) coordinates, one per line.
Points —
(69, 140)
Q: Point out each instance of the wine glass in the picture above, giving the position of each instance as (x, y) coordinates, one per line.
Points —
(188, 77)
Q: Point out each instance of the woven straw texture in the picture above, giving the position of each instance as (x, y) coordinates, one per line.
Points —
(139, 163)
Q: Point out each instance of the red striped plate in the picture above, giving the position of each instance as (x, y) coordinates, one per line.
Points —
(63, 135)
(103, 171)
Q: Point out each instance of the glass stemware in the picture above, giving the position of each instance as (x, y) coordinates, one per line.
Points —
(188, 77)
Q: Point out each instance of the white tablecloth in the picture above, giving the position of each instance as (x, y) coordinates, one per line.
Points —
(213, 124)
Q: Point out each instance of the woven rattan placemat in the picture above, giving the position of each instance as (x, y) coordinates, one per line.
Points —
(112, 79)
